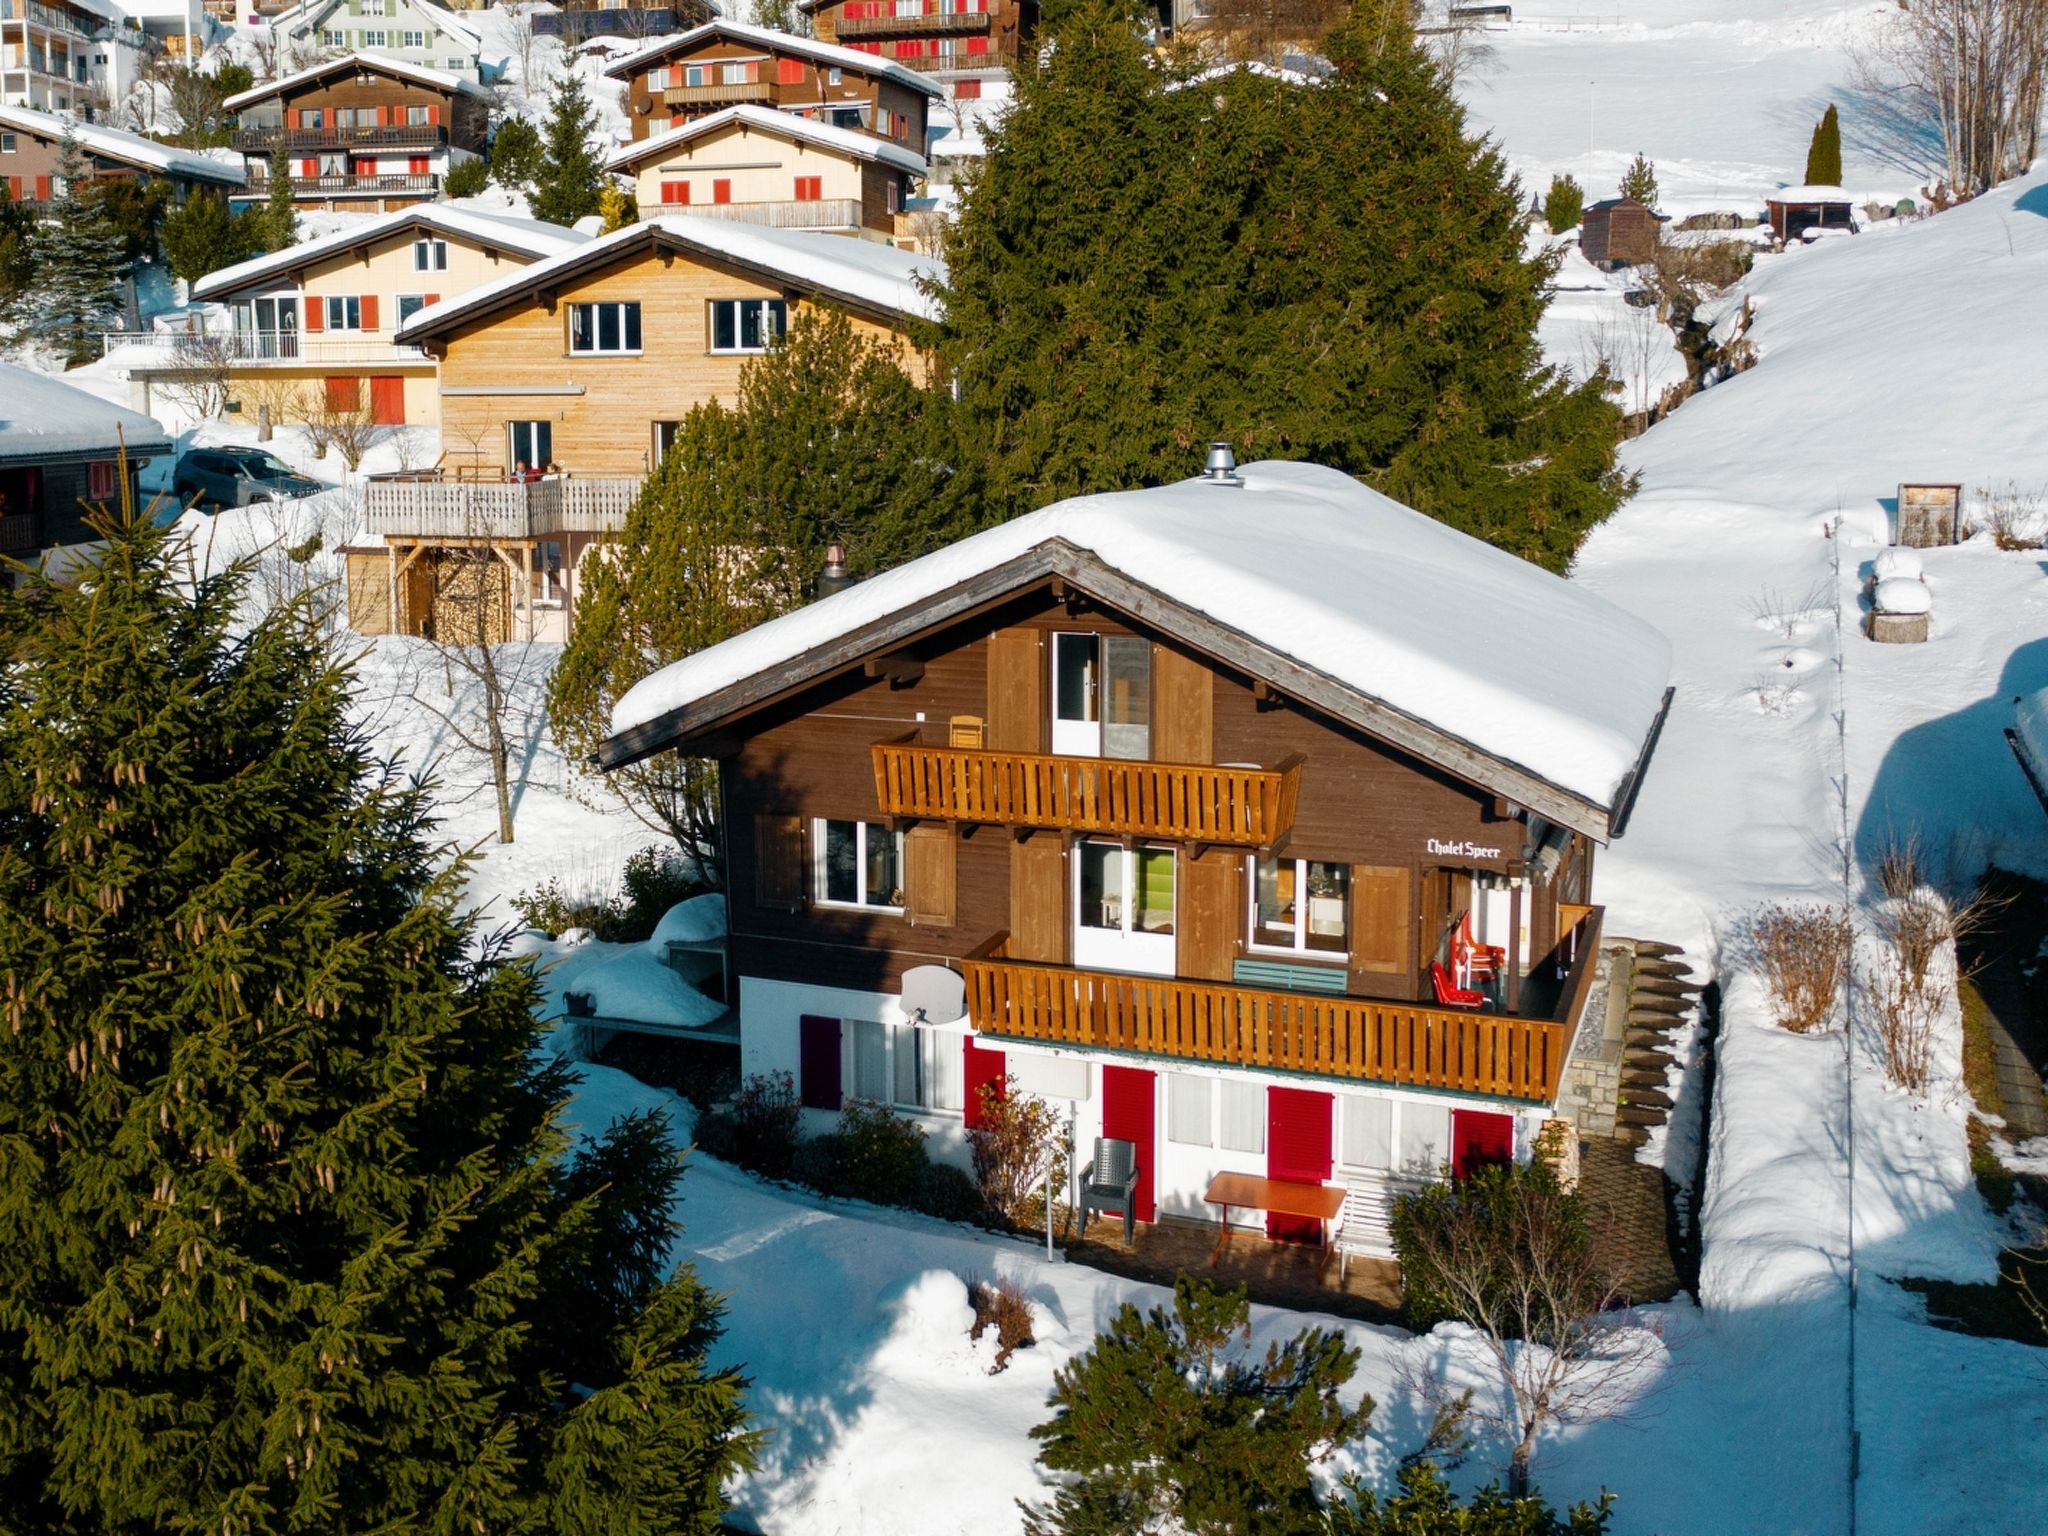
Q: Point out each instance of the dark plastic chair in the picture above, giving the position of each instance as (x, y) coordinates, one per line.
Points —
(1112, 1183)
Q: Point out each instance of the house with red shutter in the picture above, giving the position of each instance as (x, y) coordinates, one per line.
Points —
(1252, 819)
(364, 133)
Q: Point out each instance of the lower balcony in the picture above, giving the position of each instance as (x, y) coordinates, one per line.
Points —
(813, 213)
(191, 351)
(724, 93)
(20, 531)
(416, 183)
(1358, 1039)
(420, 507)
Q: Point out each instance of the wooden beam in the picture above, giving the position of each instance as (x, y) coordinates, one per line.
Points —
(901, 668)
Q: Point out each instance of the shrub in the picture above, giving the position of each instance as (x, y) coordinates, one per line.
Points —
(765, 1117)
(949, 1194)
(717, 1136)
(1804, 954)
(884, 1158)
(655, 879)
(819, 1163)
(554, 910)
(1564, 204)
(468, 178)
(1639, 181)
(2014, 515)
(1425, 1503)
(1018, 1141)
(1000, 1305)
(1903, 1012)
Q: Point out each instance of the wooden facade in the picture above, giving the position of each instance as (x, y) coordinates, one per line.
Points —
(32, 150)
(935, 36)
(724, 64)
(1617, 232)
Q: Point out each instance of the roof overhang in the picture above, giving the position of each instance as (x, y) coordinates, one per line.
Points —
(1088, 573)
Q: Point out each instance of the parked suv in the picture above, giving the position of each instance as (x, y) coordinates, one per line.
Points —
(237, 477)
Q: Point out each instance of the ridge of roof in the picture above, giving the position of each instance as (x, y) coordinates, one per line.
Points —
(789, 42)
(531, 237)
(362, 58)
(770, 120)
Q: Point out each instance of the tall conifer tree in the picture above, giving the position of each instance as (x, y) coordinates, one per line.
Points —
(79, 265)
(290, 1236)
(280, 213)
(1824, 154)
(569, 177)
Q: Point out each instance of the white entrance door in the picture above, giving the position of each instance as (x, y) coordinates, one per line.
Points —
(1076, 693)
(1124, 908)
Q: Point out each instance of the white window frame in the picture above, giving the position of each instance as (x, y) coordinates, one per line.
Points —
(932, 1059)
(334, 37)
(1251, 1096)
(412, 39)
(738, 329)
(1182, 1089)
(348, 307)
(418, 301)
(1299, 948)
(430, 255)
(819, 873)
(375, 38)
(597, 347)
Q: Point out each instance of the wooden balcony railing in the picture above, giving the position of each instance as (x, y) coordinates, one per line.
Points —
(929, 24)
(263, 139)
(1358, 1039)
(19, 531)
(1188, 802)
(406, 506)
(718, 92)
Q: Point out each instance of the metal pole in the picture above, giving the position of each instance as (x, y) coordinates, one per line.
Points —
(1048, 1208)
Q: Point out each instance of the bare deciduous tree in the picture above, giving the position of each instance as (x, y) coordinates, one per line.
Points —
(344, 425)
(1976, 71)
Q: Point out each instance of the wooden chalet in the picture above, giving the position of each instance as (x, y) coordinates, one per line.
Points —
(32, 152)
(727, 63)
(363, 133)
(958, 42)
(1256, 816)
(61, 453)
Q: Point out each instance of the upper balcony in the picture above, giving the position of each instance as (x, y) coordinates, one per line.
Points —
(197, 351)
(927, 24)
(1236, 806)
(720, 93)
(1518, 1056)
(263, 140)
(423, 507)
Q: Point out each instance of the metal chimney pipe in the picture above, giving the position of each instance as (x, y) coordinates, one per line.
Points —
(834, 578)
(1221, 468)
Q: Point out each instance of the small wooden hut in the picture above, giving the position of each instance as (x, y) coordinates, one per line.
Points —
(1795, 210)
(1618, 232)
(1930, 514)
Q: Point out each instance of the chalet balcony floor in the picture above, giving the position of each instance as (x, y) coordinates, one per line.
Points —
(1274, 1274)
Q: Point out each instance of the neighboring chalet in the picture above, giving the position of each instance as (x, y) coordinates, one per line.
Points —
(60, 450)
(725, 64)
(365, 134)
(578, 19)
(1255, 815)
(416, 31)
(324, 313)
(68, 55)
(1792, 211)
(579, 370)
(1617, 232)
(32, 149)
(760, 166)
(962, 42)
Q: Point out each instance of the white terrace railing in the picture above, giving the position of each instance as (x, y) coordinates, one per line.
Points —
(815, 213)
(466, 509)
(203, 349)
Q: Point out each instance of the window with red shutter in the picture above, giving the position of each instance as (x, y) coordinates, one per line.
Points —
(977, 45)
(434, 116)
(99, 479)
(369, 311)
(42, 189)
(675, 192)
(721, 191)
(818, 1062)
(315, 315)
(789, 71)
(417, 164)
(809, 189)
(967, 90)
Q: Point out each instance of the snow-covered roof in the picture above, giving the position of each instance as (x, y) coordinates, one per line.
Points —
(783, 42)
(501, 231)
(787, 125)
(118, 144)
(1416, 631)
(866, 273)
(380, 62)
(1813, 194)
(42, 417)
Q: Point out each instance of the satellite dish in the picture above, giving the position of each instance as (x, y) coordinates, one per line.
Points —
(935, 994)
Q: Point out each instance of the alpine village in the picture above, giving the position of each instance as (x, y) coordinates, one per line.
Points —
(903, 767)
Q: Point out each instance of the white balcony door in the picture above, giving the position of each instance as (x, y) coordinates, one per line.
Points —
(1101, 696)
(1124, 901)
(1076, 695)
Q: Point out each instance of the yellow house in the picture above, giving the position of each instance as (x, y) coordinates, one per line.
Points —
(756, 165)
(315, 326)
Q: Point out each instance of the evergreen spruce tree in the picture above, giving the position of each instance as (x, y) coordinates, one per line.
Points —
(1824, 154)
(467, 178)
(1425, 1506)
(516, 153)
(17, 253)
(1169, 1422)
(567, 180)
(79, 266)
(280, 214)
(1564, 205)
(1333, 274)
(1639, 181)
(291, 1238)
(205, 235)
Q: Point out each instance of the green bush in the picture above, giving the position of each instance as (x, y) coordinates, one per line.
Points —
(949, 1194)
(765, 1117)
(655, 879)
(884, 1160)
(1564, 204)
(553, 910)
(1425, 1503)
(515, 153)
(468, 178)
(818, 1163)
(717, 1135)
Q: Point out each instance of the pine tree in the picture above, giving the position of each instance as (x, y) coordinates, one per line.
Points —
(280, 229)
(1639, 181)
(205, 235)
(17, 253)
(1824, 154)
(467, 178)
(1425, 1506)
(567, 180)
(79, 267)
(290, 1235)
(516, 153)
(1334, 274)
(1564, 205)
(1169, 1421)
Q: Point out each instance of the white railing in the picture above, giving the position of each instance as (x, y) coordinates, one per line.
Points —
(463, 509)
(814, 213)
(203, 349)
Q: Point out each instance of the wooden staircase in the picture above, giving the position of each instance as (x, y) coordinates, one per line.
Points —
(1663, 1002)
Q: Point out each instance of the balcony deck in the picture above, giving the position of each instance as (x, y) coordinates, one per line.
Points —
(263, 140)
(1186, 802)
(194, 351)
(718, 93)
(1357, 1039)
(926, 25)
(412, 507)
(810, 213)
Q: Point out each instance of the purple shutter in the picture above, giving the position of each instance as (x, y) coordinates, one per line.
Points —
(818, 1063)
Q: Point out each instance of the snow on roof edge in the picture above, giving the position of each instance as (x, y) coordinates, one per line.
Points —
(370, 56)
(118, 142)
(770, 120)
(525, 235)
(769, 37)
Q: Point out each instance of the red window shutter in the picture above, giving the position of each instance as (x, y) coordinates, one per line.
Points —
(291, 118)
(809, 188)
(789, 71)
(433, 298)
(977, 45)
(14, 188)
(344, 392)
(309, 167)
(316, 314)
(1478, 1137)
(369, 311)
(818, 1062)
(721, 191)
(676, 120)
(675, 192)
(417, 164)
(42, 189)
(967, 90)
(434, 116)
(983, 1067)
(1129, 1102)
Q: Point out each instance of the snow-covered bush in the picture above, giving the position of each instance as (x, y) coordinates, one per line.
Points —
(2015, 516)
(1803, 952)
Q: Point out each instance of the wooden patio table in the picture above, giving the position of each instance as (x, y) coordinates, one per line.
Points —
(1281, 1197)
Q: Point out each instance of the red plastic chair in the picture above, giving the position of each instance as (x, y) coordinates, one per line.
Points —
(1449, 993)
(1480, 962)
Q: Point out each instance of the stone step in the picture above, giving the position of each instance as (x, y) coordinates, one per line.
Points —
(1661, 1002)
(1644, 1059)
(1664, 970)
(1648, 1098)
(1664, 986)
(1632, 1135)
(1660, 1018)
(1656, 948)
(1638, 1047)
(1653, 1078)
(1638, 1114)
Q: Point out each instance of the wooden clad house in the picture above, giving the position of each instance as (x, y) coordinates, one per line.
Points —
(364, 133)
(1618, 231)
(727, 63)
(60, 452)
(1256, 815)
(416, 31)
(945, 38)
(32, 151)
(759, 166)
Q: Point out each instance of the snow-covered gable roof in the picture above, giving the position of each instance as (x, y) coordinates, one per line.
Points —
(309, 14)
(384, 64)
(130, 148)
(1809, 195)
(784, 42)
(499, 231)
(863, 273)
(1337, 595)
(44, 418)
(785, 125)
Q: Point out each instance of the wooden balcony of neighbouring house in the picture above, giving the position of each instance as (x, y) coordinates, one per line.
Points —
(811, 213)
(430, 507)
(415, 184)
(719, 93)
(925, 24)
(263, 140)
(175, 352)
(1518, 1056)
(20, 531)
(1231, 805)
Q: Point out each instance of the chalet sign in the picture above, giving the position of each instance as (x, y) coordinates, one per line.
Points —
(1461, 848)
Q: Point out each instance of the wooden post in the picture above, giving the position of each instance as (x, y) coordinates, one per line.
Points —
(1515, 947)
(526, 584)
(391, 570)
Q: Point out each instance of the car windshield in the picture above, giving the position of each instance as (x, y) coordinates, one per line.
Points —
(269, 467)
